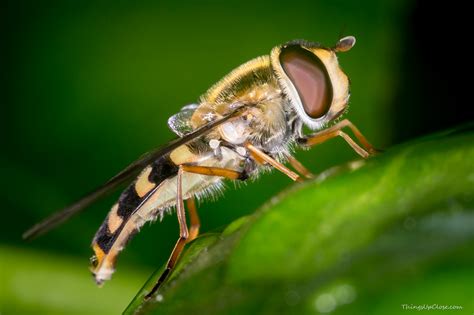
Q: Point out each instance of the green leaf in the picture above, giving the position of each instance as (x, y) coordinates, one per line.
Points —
(381, 236)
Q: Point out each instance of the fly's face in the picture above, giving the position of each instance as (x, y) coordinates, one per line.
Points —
(312, 80)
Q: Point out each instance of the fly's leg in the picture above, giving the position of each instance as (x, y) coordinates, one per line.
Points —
(300, 168)
(184, 234)
(365, 150)
(193, 218)
(191, 205)
(261, 158)
(213, 171)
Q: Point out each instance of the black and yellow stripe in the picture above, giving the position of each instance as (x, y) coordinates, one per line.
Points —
(130, 200)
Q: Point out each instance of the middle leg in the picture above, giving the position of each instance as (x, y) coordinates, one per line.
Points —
(300, 167)
(186, 235)
(261, 158)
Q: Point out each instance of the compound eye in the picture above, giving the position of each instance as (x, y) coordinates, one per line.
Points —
(310, 78)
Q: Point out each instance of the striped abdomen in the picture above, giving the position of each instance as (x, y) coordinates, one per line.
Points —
(150, 195)
(123, 222)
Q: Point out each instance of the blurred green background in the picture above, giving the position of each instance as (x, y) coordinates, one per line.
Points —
(88, 87)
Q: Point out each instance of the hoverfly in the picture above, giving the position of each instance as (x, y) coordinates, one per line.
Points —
(247, 122)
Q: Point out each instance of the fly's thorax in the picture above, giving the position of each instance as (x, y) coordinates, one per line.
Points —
(240, 81)
(254, 87)
(257, 95)
(249, 84)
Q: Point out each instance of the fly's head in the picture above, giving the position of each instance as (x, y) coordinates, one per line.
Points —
(310, 77)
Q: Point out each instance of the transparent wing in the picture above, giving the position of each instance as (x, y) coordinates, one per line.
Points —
(179, 123)
(124, 176)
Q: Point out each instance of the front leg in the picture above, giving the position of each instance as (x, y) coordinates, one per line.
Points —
(364, 151)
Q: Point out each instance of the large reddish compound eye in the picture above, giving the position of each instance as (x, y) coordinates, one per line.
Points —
(310, 78)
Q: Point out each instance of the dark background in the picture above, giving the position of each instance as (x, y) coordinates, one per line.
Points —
(87, 87)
